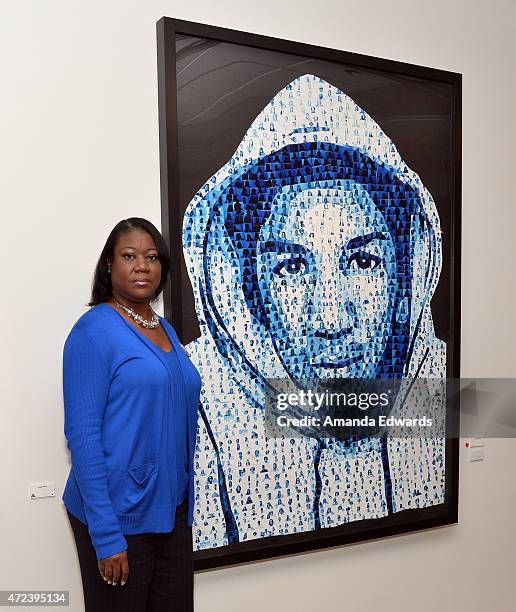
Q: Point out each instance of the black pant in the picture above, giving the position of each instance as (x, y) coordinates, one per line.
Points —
(160, 571)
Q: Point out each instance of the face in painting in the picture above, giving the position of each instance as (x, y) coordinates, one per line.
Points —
(326, 269)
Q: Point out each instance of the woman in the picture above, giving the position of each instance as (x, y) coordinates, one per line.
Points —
(130, 399)
(313, 254)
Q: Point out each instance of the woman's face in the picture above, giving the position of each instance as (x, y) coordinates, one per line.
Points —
(135, 267)
(326, 269)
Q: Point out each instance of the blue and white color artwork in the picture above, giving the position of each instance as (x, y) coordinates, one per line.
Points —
(313, 252)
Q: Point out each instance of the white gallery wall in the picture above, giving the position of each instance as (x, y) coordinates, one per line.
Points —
(79, 152)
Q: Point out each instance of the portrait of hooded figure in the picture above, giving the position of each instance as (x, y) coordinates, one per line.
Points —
(313, 254)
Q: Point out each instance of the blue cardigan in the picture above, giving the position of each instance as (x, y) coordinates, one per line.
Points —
(118, 394)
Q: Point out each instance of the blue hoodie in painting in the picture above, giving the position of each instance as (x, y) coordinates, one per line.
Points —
(313, 254)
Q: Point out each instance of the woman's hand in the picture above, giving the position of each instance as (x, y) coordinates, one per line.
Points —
(115, 567)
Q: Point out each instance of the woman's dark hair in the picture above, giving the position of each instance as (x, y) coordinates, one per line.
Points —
(101, 289)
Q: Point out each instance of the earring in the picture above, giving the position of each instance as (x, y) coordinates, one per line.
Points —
(109, 269)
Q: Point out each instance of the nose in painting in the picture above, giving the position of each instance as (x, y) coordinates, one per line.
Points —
(333, 311)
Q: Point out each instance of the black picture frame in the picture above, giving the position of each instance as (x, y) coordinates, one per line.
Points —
(178, 302)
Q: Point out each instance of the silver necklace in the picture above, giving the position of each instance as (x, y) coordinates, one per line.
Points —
(152, 324)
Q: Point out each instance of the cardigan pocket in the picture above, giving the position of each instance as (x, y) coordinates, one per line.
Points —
(134, 490)
(141, 473)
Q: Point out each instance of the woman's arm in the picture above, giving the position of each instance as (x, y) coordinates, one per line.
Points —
(85, 391)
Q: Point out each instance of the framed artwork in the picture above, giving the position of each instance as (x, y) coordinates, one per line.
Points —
(311, 202)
